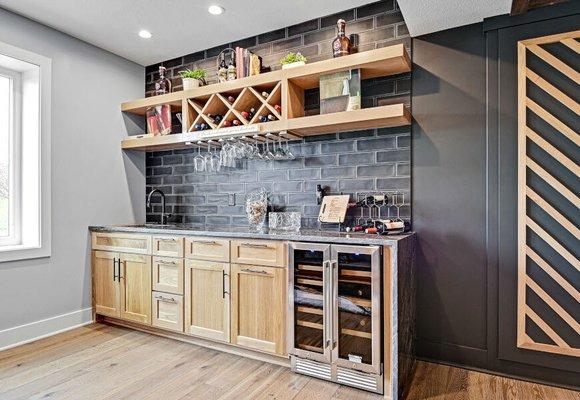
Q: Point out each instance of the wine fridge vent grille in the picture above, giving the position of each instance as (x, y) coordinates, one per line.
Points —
(357, 379)
(313, 368)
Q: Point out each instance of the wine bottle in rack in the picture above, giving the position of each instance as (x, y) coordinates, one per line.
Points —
(265, 94)
(236, 122)
(278, 108)
(231, 99)
(227, 123)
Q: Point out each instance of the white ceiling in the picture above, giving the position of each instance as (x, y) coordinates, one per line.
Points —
(184, 26)
(178, 26)
(427, 16)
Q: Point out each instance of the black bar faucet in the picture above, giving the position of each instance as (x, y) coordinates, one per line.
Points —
(164, 216)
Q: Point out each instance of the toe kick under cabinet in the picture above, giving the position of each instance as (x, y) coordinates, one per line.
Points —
(335, 311)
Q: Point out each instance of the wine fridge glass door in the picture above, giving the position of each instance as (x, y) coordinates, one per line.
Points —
(356, 295)
(309, 299)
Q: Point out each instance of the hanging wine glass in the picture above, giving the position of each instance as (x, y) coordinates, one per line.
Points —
(199, 160)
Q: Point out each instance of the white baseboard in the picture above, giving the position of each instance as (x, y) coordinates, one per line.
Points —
(26, 333)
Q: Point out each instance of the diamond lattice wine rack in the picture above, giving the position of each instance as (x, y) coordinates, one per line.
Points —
(277, 94)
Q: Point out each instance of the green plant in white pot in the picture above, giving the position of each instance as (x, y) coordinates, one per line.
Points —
(192, 78)
(292, 60)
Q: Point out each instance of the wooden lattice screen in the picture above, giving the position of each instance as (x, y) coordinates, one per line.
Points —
(548, 190)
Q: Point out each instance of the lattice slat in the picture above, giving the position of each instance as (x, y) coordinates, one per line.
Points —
(560, 341)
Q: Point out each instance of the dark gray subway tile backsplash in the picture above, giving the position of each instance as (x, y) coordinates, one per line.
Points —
(347, 162)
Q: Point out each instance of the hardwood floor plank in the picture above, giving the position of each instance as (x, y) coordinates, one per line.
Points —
(34, 372)
(103, 362)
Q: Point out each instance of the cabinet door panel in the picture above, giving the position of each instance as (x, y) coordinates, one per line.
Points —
(210, 249)
(105, 287)
(168, 275)
(122, 242)
(167, 311)
(258, 305)
(136, 288)
(167, 246)
(259, 252)
(207, 299)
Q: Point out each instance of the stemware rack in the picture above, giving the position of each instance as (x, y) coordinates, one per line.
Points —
(284, 88)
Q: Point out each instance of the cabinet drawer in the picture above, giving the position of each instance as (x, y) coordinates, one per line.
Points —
(168, 275)
(269, 253)
(167, 311)
(207, 249)
(167, 246)
(122, 242)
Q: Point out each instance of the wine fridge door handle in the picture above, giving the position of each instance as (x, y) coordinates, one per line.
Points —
(334, 296)
(327, 306)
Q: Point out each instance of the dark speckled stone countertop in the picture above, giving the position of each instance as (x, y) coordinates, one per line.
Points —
(245, 233)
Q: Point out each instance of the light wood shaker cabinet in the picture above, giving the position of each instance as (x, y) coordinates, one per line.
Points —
(135, 283)
(258, 307)
(167, 246)
(168, 275)
(258, 252)
(211, 249)
(207, 299)
(167, 311)
(122, 242)
(106, 288)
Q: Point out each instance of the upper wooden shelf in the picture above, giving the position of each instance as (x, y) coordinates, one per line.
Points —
(286, 88)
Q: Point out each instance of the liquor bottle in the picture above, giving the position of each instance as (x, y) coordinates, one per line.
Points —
(231, 74)
(222, 70)
(341, 43)
(163, 84)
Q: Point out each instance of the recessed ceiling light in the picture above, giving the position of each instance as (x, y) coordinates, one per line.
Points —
(216, 10)
(145, 34)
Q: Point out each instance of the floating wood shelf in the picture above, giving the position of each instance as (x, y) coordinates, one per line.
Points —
(285, 88)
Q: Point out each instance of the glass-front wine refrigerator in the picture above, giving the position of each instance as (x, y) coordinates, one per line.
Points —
(335, 313)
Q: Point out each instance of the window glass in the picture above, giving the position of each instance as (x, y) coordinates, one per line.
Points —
(5, 147)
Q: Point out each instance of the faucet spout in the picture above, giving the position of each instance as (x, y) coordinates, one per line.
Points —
(164, 216)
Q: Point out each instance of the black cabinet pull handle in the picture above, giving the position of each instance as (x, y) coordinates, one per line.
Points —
(114, 269)
(224, 291)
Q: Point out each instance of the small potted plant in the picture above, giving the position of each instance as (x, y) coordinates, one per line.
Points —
(192, 78)
(293, 60)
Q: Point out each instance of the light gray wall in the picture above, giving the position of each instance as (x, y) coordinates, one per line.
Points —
(93, 181)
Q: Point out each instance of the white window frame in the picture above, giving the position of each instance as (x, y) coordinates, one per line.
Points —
(15, 151)
(31, 151)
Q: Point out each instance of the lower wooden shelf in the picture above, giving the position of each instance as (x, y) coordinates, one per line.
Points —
(367, 118)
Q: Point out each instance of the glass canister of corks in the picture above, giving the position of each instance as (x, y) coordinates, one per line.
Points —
(256, 209)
